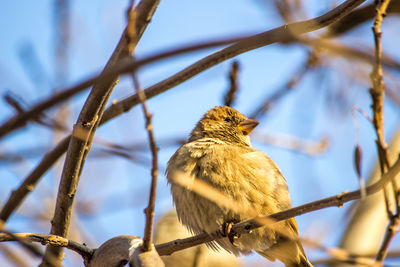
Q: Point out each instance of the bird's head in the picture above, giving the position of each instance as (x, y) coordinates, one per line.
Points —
(225, 124)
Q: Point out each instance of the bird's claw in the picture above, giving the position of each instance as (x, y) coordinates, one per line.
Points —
(228, 232)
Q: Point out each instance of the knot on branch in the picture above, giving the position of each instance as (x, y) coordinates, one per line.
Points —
(339, 197)
(55, 241)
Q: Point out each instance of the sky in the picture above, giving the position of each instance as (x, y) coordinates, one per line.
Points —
(113, 191)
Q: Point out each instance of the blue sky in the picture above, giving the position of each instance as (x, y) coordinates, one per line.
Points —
(118, 189)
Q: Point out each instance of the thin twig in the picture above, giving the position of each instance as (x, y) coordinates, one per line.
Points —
(233, 82)
(147, 239)
(346, 51)
(358, 16)
(33, 248)
(246, 226)
(52, 240)
(36, 251)
(148, 230)
(377, 94)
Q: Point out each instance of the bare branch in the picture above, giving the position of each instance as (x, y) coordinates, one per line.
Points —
(52, 240)
(233, 81)
(124, 105)
(281, 34)
(87, 123)
(377, 95)
(276, 35)
(124, 66)
(358, 16)
(148, 232)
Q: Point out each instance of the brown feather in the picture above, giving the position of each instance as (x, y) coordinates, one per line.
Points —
(219, 153)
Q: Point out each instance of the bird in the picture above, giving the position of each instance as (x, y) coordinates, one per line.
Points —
(219, 153)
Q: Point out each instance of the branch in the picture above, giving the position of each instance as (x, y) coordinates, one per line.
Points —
(378, 95)
(147, 239)
(346, 52)
(358, 16)
(83, 134)
(245, 227)
(21, 118)
(146, 10)
(125, 66)
(284, 33)
(52, 240)
(230, 95)
(269, 37)
(281, 34)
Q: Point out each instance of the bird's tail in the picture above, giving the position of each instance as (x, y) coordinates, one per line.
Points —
(288, 248)
(289, 252)
(304, 262)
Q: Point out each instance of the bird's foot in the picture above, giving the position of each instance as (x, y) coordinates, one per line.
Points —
(228, 232)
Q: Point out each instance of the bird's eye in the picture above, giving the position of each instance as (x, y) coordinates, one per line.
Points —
(227, 119)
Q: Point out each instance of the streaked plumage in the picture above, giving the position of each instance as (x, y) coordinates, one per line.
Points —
(219, 153)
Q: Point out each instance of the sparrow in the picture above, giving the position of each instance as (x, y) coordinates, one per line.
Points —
(219, 153)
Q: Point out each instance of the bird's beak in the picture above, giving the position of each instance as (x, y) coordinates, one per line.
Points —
(247, 126)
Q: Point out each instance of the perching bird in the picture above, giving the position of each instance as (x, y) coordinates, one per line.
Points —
(219, 153)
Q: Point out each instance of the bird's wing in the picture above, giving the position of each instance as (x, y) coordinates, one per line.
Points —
(270, 180)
